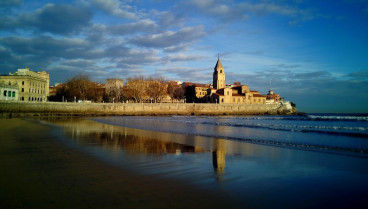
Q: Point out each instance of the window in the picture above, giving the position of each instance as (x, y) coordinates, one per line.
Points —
(222, 100)
(9, 83)
(22, 82)
(9, 93)
(22, 89)
(233, 99)
(5, 93)
(13, 94)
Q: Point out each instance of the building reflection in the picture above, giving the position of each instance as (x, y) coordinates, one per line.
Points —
(136, 141)
(218, 156)
(127, 139)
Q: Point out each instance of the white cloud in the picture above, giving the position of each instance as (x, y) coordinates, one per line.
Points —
(170, 38)
(116, 8)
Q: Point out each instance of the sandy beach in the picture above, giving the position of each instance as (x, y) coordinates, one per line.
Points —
(169, 162)
(38, 171)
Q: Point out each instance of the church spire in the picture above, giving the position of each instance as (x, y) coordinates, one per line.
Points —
(219, 66)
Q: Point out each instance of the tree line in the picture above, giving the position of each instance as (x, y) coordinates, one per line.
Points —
(137, 89)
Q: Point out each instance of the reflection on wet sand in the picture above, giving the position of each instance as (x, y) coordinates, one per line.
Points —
(218, 157)
(130, 140)
(136, 141)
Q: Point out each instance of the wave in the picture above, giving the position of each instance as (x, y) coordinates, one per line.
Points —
(311, 117)
(355, 131)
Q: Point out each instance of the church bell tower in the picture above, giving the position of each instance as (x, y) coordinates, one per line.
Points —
(219, 75)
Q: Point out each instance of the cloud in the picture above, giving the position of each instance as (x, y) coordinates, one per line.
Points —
(10, 3)
(177, 48)
(218, 10)
(182, 57)
(286, 66)
(127, 56)
(145, 25)
(358, 75)
(57, 19)
(115, 8)
(186, 73)
(268, 8)
(48, 47)
(168, 19)
(169, 38)
(230, 11)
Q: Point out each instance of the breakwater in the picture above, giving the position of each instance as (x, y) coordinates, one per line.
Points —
(20, 109)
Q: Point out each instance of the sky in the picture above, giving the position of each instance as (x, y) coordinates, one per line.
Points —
(313, 53)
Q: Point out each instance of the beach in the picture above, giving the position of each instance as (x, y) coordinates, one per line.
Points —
(38, 171)
(184, 162)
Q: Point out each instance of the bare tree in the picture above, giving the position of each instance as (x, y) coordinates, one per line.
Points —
(156, 90)
(135, 89)
(79, 87)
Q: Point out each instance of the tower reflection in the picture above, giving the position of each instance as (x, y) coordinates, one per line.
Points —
(218, 156)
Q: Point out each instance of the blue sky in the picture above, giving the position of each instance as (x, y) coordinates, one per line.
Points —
(314, 52)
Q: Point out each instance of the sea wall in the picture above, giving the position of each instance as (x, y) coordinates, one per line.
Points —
(18, 109)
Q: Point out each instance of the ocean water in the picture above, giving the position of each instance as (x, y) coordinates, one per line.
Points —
(335, 132)
(312, 161)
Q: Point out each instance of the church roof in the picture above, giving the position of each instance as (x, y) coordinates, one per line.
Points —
(218, 64)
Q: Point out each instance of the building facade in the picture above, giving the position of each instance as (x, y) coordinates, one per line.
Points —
(8, 92)
(113, 84)
(32, 86)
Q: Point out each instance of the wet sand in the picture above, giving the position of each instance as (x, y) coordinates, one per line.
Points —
(38, 171)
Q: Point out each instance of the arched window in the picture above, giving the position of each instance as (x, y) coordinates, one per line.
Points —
(5, 93)
(22, 82)
(222, 100)
(9, 83)
(13, 94)
(9, 93)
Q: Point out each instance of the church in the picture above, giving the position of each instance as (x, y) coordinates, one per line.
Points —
(231, 94)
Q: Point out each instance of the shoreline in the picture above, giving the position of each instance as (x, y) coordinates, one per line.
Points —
(39, 171)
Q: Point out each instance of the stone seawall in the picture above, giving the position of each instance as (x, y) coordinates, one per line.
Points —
(19, 109)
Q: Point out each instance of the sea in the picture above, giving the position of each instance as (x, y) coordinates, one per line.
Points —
(281, 161)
